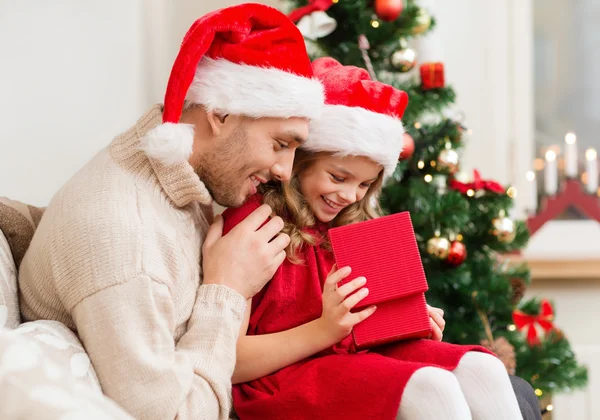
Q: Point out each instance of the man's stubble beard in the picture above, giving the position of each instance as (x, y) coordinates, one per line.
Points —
(223, 170)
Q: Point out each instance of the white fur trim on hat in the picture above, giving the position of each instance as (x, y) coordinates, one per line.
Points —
(353, 131)
(169, 143)
(224, 86)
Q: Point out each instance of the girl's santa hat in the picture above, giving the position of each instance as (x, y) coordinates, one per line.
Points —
(361, 116)
(248, 60)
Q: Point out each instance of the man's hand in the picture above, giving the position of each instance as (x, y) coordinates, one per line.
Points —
(436, 318)
(247, 257)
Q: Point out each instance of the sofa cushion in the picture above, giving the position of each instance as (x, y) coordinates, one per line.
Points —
(18, 222)
(9, 297)
(36, 384)
(62, 346)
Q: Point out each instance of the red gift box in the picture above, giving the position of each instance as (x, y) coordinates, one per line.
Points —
(432, 75)
(386, 253)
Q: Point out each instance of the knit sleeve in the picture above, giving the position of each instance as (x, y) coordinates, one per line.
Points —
(141, 366)
(233, 216)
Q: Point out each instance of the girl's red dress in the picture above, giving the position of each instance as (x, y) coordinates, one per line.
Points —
(337, 383)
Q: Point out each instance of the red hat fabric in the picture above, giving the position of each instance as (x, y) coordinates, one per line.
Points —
(361, 116)
(248, 60)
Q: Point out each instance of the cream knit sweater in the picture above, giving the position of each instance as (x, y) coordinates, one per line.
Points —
(116, 258)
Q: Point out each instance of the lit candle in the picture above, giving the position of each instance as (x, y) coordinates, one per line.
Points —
(571, 155)
(591, 169)
(551, 173)
(531, 204)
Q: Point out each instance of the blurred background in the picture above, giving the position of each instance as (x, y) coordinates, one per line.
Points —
(75, 73)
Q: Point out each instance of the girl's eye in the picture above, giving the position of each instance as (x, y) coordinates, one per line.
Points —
(337, 178)
(363, 185)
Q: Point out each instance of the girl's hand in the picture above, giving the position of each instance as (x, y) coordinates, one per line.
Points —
(436, 318)
(337, 320)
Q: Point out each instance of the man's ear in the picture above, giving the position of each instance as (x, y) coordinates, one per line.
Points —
(216, 122)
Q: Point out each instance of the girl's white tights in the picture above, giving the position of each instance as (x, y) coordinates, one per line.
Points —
(479, 388)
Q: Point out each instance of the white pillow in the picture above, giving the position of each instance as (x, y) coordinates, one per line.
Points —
(10, 316)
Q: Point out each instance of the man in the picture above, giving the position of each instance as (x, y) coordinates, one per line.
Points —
(117, 256)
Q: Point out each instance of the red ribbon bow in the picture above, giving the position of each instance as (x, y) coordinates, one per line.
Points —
(543, 319)
(312, 6)
(477, 184)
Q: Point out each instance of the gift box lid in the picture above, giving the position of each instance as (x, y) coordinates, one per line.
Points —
(385, 252)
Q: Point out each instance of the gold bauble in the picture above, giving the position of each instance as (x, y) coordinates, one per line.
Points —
(404, 59)
(438, 247)
(448, 160)
(504, 229)
(422, 22)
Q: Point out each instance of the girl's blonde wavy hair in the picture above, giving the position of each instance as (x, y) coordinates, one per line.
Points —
(287, 201)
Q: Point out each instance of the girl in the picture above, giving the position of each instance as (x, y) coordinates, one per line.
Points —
(295, 355)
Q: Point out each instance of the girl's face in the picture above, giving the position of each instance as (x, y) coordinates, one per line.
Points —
(333, 183)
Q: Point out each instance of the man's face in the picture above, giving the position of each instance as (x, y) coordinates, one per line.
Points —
(248, 152)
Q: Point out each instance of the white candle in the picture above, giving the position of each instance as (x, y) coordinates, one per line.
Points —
(551, 173)
(531, 197)
(571, 155)
(591, 169)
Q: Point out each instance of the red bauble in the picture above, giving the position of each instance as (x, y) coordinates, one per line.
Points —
(388, 10)
(457, 254)
(408, 147)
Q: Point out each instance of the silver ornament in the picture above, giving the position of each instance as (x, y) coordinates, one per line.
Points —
(448, 160)
(404, 59)
(504, 229)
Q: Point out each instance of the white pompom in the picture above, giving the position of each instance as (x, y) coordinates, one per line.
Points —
(169, 143)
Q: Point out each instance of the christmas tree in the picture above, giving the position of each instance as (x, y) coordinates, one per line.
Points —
(462, 222)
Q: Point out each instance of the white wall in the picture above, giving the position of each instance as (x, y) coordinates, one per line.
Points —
(73, 74)
(70, 79)
(489, 62)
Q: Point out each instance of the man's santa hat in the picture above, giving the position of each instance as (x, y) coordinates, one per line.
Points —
(361, 116)
(247, 60)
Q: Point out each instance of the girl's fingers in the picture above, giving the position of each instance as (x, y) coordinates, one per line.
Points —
(350, 287)
(334, 278)
(333, 269)
(436, 310)
(362, 315)
(436, 332)
(352, 300)
(437, 318)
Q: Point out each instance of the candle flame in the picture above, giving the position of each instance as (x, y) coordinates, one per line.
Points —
(570, 138)
(530, 176)
(591, 154)
(550, 155)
